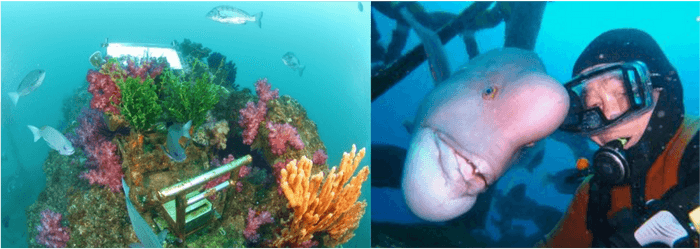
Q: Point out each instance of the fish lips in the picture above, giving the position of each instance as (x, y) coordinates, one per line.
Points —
(441, 182)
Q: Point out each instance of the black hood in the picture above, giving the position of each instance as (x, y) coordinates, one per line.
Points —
(629, 45)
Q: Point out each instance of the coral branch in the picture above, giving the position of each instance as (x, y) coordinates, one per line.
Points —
(331, 207)
(51, 233)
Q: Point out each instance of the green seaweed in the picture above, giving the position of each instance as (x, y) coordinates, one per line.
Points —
(188, 100)
(139, 102)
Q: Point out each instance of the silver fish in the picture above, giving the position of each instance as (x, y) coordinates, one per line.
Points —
(359, 6)
(54, 139)
(232, 15)
(173, 149)
(292, 62)
(30, 83)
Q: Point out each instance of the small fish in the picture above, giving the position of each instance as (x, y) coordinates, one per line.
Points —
(96, 59)
(30, 83)
(292, 62)
(172, 146)
(232, 15)
(53, 138)
(359, 6)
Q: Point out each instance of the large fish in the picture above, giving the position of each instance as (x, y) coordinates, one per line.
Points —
(174, 150)
(231, 15)
(469, 129)
(30, 83)
(143, 231)
(292, 62)
(53, 138)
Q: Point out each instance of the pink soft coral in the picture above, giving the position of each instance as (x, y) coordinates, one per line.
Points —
(51, 233)
(106, 96)
(264, 90)
(254, 222)
(109, 171)
(280, 134)
(319, 157)
(250, 119)
(251, 116)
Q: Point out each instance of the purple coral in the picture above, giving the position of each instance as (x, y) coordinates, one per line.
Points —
(51, 233)
(280, 134)
(254, 222)
(319, 157)
(251, 116)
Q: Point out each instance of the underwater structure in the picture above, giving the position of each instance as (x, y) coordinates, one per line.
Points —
(170, 157)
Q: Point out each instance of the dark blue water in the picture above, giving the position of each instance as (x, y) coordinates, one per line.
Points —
(567, 28)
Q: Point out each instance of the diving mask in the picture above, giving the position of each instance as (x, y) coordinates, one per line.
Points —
(607, 96)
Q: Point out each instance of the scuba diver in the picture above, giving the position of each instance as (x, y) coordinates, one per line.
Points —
(628, 98)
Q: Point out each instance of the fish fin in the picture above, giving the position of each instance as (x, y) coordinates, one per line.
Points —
(186, 129)
(258, 18)
(408, 124)
(166, 151)
(14, 96)
(301, 69)
(437, 59)
(35, 131)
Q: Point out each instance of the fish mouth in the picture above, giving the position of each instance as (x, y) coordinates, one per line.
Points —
(470, 171)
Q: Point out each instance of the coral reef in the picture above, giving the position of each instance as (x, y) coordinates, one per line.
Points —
(109, 171)
(196, 50)
(331, 208)
(184, 101)
(51, 232)
(253, 114)
(281, 134)
(256, 220)
(320, 157)
(224, 72)
(139, 100)
(106, 95)
(116, 138)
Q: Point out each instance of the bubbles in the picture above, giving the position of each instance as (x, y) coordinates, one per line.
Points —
(661, 114)
(601, 56)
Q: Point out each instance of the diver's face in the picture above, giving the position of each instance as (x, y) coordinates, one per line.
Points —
(608, 93)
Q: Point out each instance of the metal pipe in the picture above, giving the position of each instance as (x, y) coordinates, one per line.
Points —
(188, 184)
(209, 192)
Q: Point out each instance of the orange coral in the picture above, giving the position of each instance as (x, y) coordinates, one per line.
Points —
(332, 208)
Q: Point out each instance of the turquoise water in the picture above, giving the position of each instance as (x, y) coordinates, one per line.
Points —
(330, 38)
(566, 29)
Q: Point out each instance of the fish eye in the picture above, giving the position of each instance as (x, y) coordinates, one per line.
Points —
(489, 92)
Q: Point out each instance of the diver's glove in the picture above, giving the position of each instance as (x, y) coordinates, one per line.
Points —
(673, 222)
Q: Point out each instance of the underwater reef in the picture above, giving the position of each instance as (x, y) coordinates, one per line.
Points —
(131, 122)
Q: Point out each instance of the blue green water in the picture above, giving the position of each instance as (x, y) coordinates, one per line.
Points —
(330, 38)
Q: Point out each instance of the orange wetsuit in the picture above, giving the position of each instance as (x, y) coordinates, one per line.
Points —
(572, 231)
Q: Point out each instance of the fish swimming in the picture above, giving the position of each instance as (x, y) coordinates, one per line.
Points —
(292, 62)
(469, 129)
(54, 139)
(143, 231)
(96, 59)
(30, 83)
(174, 150)
(359, 6)
(232, 15)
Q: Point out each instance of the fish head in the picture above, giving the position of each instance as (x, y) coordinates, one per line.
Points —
(471, 126)
(66, 149)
